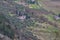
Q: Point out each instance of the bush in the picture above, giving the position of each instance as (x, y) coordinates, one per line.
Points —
(4, 28)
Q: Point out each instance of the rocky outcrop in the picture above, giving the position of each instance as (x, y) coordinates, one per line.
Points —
(3, 37)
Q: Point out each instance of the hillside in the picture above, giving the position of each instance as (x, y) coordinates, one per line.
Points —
(29, 20)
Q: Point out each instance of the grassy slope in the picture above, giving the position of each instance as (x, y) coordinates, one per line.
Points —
(45, 30)
(44, 33)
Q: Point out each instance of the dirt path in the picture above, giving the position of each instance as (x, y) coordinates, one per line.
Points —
(51, 5)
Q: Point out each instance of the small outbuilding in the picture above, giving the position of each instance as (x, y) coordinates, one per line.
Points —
(57, 17)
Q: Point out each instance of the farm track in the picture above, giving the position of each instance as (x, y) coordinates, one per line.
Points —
(51, 5)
